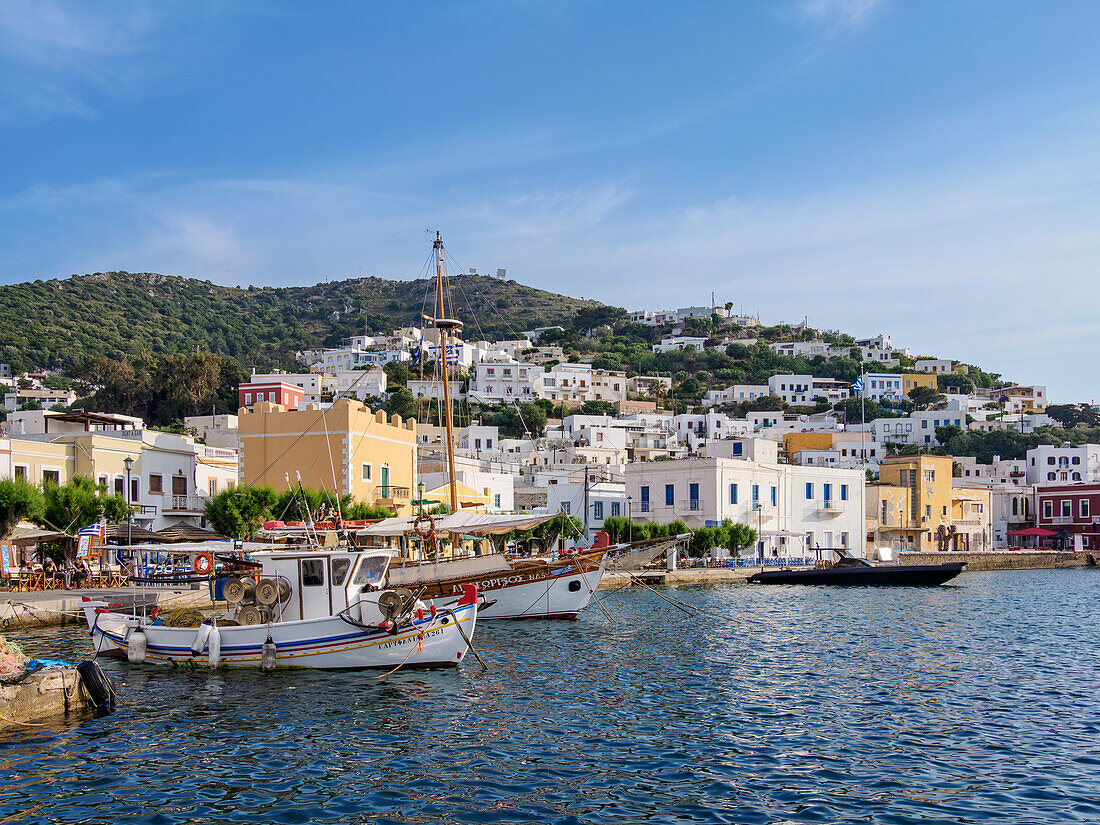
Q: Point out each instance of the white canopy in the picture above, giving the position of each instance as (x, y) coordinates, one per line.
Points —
(483, 523)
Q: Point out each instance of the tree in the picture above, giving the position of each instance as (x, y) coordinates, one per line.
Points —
(953, 382)
(401, 402)
(239, 512)
(597, 408)
(590, 318)
(926, 398)
(1072, 415)
(18, 500)
(81, 502)
(738, 537)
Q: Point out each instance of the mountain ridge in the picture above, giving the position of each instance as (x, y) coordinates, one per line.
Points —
(61, 323)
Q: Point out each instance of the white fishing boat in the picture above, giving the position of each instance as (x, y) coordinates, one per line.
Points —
(309, 608)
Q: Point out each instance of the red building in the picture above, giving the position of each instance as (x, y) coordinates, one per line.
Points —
(277, 392)
(1070, 510)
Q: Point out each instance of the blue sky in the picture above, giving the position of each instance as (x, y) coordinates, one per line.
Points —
(926, 169)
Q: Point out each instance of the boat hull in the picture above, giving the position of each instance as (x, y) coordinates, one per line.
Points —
(559, 590)
(910, 575)
(328, 643)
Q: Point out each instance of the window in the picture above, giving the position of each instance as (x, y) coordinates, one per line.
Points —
(21, 472)
(1076, 459)
(670, 494)
(733, 494)
(597, 509)
(775, 493)
(179, 485)
(1048, 509)
(615, 509)
(120, 486)
(367, 472)
(809, 490)
(247, 398)
(1051, 476)
(1067, 508)
(313, 572)
(134, 484)
(340, 567)
(1076, 476)
(843, 492)
(645, 499)
(1050, 460)
(928, 511)
(755, 494)
(1083, 507)
(213, 487)
(53, 477)
(488, 443)
(1015, 507)
(102, 480)
(565, 507)
(496, 500)
(156, 483)
(693, 495)
(737, 448)
(843, 539)
(827, 491)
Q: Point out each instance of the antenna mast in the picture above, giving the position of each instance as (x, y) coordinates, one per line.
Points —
(443, 324)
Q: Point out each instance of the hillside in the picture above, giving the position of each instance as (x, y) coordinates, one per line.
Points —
(62, 323)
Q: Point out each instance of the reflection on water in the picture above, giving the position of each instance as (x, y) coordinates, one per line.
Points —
(965, 703)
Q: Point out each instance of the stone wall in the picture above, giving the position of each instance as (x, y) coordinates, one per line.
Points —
(1005, 559)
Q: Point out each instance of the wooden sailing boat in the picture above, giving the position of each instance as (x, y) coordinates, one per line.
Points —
(550, 585)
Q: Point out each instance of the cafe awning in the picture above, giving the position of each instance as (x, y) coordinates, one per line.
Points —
(1032, 531)
(485, 524)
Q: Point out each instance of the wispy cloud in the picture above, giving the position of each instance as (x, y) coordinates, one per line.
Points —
(837, 14)
(57, 55)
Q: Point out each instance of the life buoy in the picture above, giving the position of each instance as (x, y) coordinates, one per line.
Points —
(204, 563)
(427, 532)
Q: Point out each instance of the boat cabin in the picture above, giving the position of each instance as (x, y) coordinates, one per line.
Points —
(322, 583)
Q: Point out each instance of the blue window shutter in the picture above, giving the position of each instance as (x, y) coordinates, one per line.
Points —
(733, 494)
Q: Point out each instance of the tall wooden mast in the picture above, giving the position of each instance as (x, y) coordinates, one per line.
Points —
(442, 323)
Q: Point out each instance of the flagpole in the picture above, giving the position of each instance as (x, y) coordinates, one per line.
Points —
(863, 457)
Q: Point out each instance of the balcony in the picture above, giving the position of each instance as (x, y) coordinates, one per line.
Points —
(1061, 520)
(693, 505)
(828, 507)
(391, 494)
(645, 507)
(144, 510)
(183, 504)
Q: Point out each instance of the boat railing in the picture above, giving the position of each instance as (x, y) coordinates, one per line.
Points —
(771, 561)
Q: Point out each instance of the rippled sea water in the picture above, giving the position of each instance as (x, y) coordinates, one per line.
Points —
(972, 702)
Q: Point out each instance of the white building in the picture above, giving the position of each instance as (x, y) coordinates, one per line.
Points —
(795, 510)
(679, 342)
(505, 380)
(498, 488)
(807, 349)
(1065, 464)
(792, 389)
(883, 386)
(214, 430)
(937, 366)
(735, 394)
(44, 396)
(433, 389)
(361, 384)
(577, 383)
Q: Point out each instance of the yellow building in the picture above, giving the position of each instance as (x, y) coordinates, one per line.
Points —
(797, 442)
(912, 380)
(345, 447)
(927, 479)
(888, 517)
(971, 517)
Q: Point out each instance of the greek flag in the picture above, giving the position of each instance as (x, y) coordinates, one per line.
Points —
(858, 386)
(91, 530)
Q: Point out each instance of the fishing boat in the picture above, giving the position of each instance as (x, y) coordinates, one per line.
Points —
(850, 570)
(539, 586)
(298, 608)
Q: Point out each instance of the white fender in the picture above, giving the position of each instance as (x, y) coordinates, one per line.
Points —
(201, 637)
(214, 644)
(267, 655)
(136, 647)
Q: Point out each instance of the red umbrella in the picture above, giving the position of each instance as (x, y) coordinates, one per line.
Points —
(1032, 531)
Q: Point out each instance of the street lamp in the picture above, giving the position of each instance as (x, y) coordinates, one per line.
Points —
(128, 462)
(629, 521)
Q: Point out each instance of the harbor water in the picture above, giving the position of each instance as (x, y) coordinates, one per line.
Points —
(971, 702)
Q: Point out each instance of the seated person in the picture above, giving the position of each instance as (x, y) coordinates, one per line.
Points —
(49, 567)
(81, 574)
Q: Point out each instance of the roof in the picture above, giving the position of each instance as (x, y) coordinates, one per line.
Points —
(1032, 531)
(33, 535)
(182, 531)
(480, 523)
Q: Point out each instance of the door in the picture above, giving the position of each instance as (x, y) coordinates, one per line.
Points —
(314, 598)
(385, 482)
